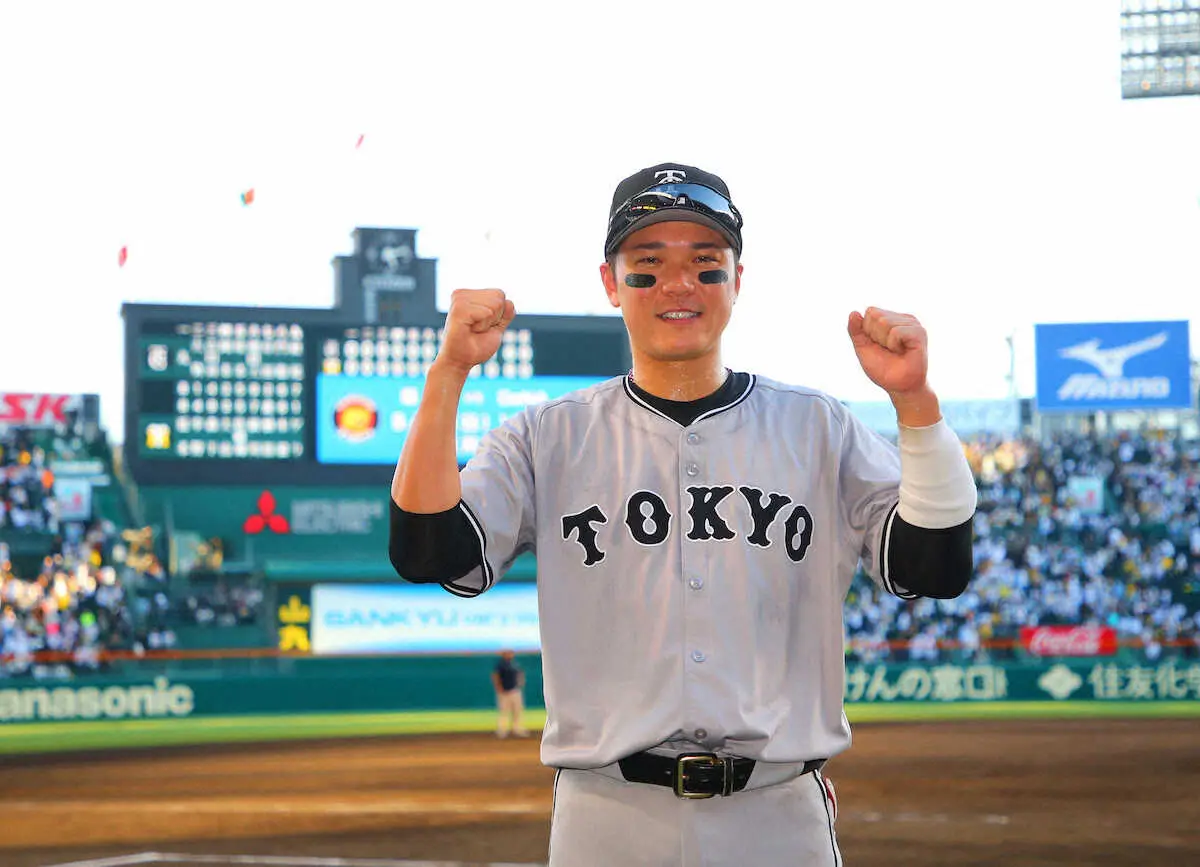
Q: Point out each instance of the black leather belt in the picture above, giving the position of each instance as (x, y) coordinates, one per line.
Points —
(695, 775)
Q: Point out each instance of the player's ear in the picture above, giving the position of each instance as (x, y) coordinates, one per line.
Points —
(737, 281)
(608, 275)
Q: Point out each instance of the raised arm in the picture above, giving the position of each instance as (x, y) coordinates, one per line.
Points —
(431, 539)
(926, 539)
(426, 479)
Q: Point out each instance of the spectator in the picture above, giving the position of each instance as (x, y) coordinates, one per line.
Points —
(923, 647)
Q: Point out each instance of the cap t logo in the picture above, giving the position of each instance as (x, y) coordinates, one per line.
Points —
(670, 176)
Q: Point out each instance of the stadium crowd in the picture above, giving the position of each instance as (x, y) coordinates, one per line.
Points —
(1098, 531)
(96, 588)
(87, 597)
(1071, 529)
(223, 604)
(26, 483)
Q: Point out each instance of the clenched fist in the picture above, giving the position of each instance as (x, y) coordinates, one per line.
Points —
(475, 325)
(892, 349)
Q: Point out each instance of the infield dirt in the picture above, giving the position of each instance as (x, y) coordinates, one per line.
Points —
(1094, 792)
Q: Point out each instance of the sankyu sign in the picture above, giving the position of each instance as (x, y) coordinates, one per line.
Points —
(34, 409)
(422, 618)
(1084, 367)
(312, 516)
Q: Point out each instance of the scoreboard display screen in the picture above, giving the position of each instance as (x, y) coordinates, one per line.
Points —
(250, 396)
(221, 390)
(370, 382)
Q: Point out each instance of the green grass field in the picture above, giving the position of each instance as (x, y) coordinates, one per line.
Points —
(68, 736)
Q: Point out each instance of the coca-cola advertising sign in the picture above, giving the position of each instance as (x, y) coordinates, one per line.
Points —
(1069, 640)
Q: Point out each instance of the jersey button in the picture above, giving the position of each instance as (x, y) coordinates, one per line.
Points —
(698, 655)
(696, 583)
(692, 469)
(693, 438)
(700, 734)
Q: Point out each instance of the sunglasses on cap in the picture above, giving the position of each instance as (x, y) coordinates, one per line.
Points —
(692, 197)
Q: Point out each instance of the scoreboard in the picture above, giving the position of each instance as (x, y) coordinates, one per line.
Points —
(228, 396)
(304, 396)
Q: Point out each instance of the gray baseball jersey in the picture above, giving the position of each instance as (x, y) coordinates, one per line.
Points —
(690, 579)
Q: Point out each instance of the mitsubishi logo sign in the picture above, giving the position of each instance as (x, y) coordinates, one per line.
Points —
(266, 517)
(316, 516)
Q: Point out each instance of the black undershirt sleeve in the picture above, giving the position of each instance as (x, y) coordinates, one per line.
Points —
(432, 549)
(932, 563)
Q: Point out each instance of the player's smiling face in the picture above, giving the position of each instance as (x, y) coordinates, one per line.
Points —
(681, 316)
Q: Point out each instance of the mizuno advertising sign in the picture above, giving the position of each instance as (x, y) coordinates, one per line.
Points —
(1084, 367)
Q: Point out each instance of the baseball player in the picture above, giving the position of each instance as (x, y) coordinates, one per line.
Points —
(696, 531)
(509, 683)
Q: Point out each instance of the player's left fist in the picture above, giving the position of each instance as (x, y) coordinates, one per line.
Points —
(892, 348)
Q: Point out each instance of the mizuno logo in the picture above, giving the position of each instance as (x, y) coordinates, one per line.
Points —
(1089, 386)
(1111, 362)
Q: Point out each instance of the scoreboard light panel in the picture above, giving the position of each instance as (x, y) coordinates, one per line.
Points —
(213, 390)
(409, 352)
(1160, 48)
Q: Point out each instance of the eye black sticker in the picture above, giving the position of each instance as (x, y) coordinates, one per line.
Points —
(642, 281)
(718, 275)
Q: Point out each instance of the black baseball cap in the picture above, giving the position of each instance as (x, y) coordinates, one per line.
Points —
(671, 191)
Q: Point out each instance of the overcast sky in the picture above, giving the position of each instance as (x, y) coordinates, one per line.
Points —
(972, 163)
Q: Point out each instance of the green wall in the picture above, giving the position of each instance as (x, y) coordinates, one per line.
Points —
(326, 534)
(297, 685)
(305, 685)
(322, 523)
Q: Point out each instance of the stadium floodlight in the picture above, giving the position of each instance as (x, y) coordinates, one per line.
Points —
(1160, 48)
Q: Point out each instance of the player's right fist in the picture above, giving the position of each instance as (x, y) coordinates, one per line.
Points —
(475, 325)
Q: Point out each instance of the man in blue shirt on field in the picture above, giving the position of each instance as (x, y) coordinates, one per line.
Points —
(509, 681)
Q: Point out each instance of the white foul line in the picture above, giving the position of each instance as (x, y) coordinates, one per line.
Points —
(267, 861)
(115, 861)
(290, 861)
(301, 807)
(926, 818)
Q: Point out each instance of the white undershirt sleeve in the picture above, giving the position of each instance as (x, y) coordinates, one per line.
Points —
(937, 489)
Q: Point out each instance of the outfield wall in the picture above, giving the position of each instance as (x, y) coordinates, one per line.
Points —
(388, 684)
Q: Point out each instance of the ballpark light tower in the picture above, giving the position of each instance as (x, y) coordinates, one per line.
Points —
(1160, 48)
